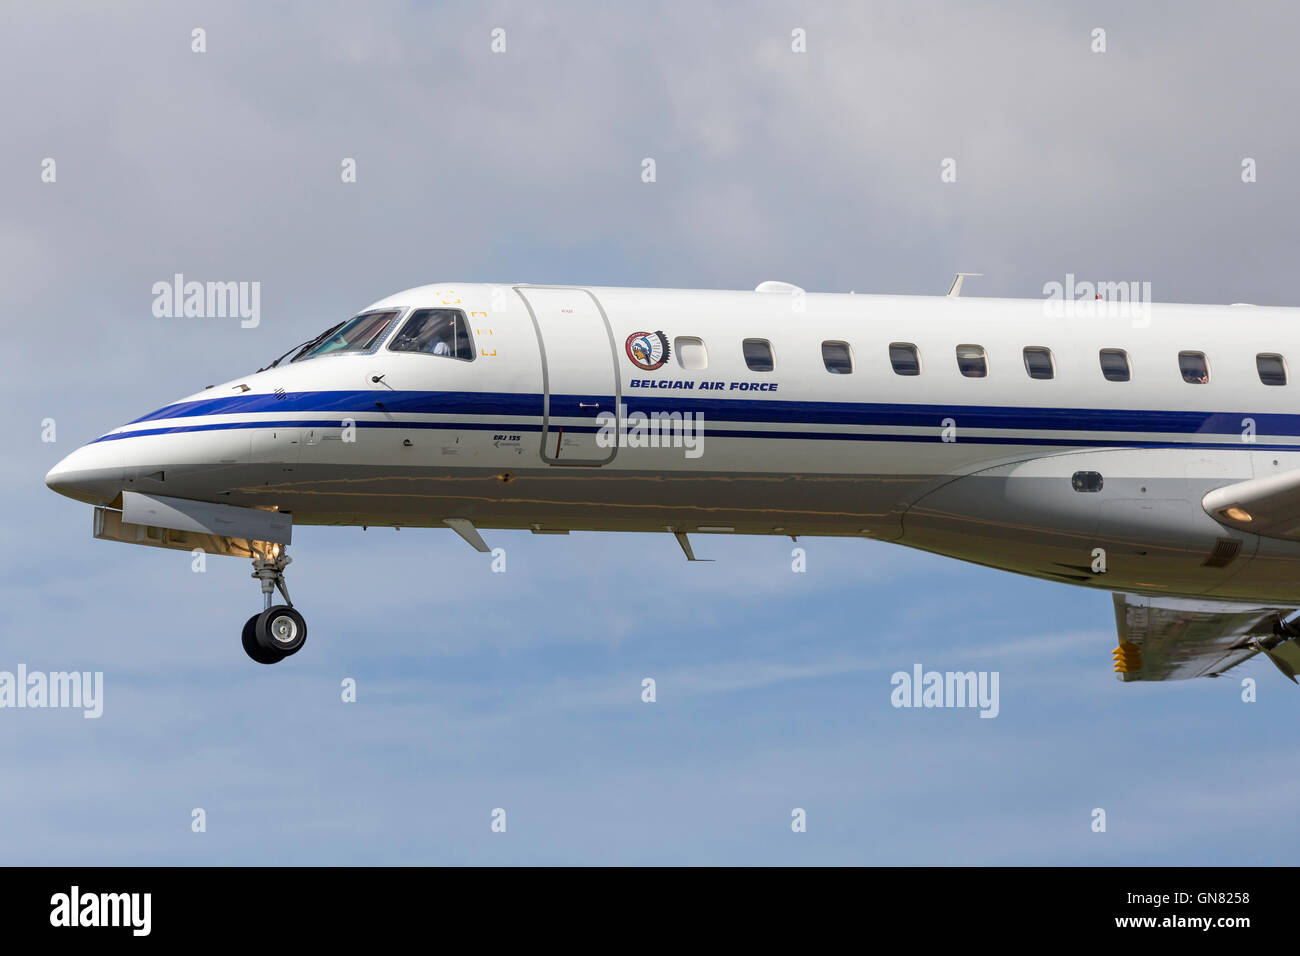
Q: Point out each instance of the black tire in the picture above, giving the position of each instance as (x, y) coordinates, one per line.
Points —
(253, 649)
(280, 630)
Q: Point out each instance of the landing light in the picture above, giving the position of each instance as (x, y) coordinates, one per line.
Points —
(1237, 514)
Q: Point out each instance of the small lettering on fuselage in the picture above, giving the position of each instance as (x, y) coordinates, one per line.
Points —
(703, 386)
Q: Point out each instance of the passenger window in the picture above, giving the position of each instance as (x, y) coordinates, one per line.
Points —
(905, 359)
(691, 353)
(1114, 365)
(1038, 362)
(1271, 368)
(435, 332)
(837, 357)
(971, 361)
(1193, 367)
(758, 355)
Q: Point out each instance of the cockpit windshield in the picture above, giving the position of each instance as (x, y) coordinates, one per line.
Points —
(359, 334)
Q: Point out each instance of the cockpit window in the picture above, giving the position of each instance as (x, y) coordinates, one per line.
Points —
(359, 334)
(436, 332)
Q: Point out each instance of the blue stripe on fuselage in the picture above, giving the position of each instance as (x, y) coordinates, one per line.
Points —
(710, 431)
(1020, 418)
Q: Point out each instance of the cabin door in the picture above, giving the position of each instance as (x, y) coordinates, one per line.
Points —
(579, 375)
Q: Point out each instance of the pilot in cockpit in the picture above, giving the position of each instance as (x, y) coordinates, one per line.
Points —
(435, 332)
(432, 338)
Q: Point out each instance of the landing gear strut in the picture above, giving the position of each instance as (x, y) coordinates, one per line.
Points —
(279, 630)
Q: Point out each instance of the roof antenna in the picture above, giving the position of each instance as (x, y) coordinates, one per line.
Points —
(957, 281)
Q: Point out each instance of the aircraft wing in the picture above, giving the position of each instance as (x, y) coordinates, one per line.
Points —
(1269, 506)
(1164, 638)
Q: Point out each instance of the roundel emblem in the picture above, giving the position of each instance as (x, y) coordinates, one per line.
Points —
(647, 350)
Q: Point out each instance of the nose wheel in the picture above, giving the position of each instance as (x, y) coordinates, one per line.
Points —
(277, 632)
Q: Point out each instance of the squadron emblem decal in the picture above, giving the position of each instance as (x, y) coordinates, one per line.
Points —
(647, 350)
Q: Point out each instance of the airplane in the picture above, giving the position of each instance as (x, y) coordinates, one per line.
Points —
(1154, 455)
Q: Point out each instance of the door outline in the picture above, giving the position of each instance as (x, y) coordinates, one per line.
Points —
(546, 373)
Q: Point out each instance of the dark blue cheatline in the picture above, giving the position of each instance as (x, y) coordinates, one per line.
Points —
(749, 410)
(1014, 417)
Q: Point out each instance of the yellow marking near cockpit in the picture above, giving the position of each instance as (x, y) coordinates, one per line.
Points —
(483, 351)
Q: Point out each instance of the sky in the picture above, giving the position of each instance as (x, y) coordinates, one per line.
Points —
(522, 690)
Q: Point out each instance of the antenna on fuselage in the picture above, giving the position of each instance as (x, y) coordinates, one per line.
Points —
(957, 281)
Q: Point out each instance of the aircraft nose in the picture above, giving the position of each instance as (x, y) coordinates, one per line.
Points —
(92, 473)
(59, 478)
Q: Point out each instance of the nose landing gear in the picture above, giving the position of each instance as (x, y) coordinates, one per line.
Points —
(279, 630)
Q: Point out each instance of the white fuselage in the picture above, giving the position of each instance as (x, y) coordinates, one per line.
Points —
(981, 468)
